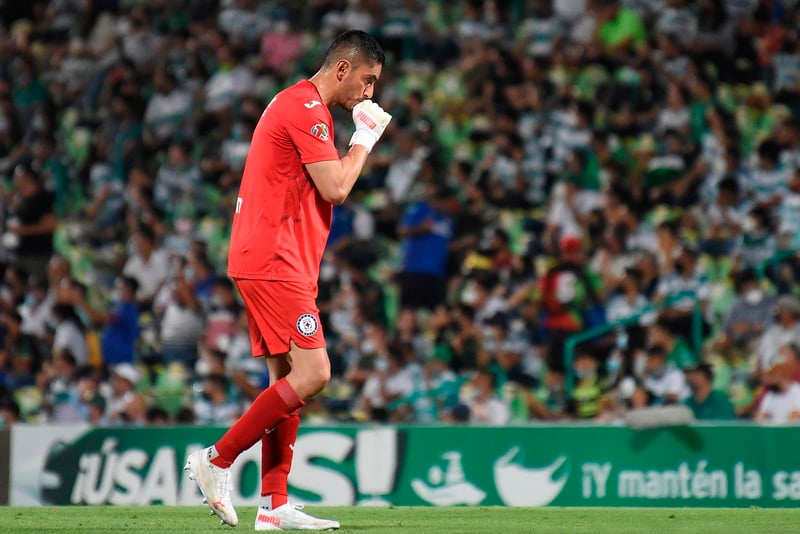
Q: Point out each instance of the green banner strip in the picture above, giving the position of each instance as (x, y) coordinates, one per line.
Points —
(710, 466)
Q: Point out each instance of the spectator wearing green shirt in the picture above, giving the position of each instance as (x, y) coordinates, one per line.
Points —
(619, 29)
(589, 387)
(706, 403)
(678, 352)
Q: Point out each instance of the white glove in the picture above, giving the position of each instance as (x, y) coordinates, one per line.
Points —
(370, 121)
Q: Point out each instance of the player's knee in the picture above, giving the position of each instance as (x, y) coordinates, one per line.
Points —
(311, 374)
(311, 382)
(320, 378)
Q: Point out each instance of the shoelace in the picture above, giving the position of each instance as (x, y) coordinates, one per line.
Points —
(303, 515)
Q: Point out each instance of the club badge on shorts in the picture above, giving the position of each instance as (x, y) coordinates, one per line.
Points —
(307, 324)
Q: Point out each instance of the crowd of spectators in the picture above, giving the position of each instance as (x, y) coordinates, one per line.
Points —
(624, 171)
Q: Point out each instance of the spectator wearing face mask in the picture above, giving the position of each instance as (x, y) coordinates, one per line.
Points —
(781, 403)
(748, 316)
(665, 383)
(589, 387)
(742, 328)
(480, 397)
(435, 390)
(389, 381)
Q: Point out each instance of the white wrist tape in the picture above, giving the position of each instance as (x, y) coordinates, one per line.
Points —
(364, 138)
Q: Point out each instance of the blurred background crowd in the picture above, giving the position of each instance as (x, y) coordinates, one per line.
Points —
(581, 207)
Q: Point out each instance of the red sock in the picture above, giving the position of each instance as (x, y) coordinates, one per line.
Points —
(276, 459)
(273, 406)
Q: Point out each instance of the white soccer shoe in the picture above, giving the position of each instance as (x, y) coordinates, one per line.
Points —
(291, 517)
(215, 483)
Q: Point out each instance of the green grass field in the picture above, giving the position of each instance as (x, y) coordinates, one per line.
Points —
(414, 520)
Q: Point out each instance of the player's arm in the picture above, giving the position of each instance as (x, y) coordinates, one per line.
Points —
(335, 178)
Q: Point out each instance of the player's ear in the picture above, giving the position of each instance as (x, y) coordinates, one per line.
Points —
(342, 68)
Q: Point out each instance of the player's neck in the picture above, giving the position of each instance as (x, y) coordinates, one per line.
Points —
(324, 87)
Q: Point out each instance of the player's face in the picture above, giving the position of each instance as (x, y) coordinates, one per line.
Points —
(359, 84)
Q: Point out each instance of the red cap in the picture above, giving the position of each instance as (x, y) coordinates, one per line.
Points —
(570, 243)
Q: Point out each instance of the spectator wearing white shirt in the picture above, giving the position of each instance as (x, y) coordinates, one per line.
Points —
(770, 177)
(215, 407)
(182, 321)
(570, 206)
(789, 213)
(149, 265)
(722, 218)
(70, 335)
(232, 80)
(613, 257)
(757, 243)
(781, 403)
(124, 404)
(178, 178)
(540, 32)
(404, 169)
(665, 383)
(714, 40)
(628, 301)
(786, 330)
(389, 381)
(165, 108)
(683, 288)
(485, 406)
(675, 116)
(139, 42)
(37, 308)
(678, 19)
(788, 136)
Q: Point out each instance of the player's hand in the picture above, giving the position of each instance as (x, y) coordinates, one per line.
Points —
(370, 120)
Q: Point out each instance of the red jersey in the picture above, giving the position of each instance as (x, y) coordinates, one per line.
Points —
(281, 222)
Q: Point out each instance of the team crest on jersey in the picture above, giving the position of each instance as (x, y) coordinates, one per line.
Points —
(307, 324)
(320, 131)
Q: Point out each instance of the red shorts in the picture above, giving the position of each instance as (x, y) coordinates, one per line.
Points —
(280, 312)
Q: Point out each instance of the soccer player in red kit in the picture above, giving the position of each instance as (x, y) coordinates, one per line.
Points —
(292, 178)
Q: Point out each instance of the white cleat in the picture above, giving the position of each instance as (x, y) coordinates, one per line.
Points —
(291, 517)
(215, 484)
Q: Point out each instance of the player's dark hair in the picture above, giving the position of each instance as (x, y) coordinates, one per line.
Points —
(357, 47)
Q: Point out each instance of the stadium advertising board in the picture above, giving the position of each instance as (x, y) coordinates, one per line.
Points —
(437, 466)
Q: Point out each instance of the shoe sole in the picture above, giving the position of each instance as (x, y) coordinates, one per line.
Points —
(218, 511)
(263, 527)
(268, 526)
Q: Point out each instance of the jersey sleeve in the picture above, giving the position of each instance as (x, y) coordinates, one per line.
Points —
(311, 131)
